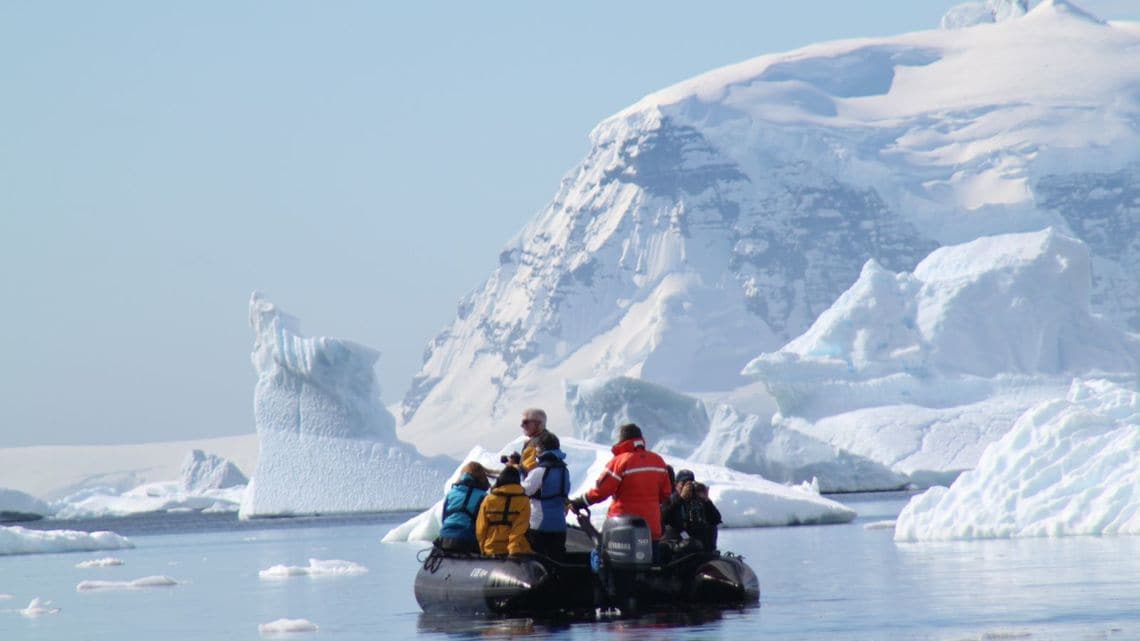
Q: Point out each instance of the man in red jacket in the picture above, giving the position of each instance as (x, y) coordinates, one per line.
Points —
(636, 479)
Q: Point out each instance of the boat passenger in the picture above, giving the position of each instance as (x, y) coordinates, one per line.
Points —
(636, 478)
(461, 507)
(689, 517)
(534, 427)
(548, 486)
(504, 517)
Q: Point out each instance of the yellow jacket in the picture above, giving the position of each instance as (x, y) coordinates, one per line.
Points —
(504, 517)
(530, 453)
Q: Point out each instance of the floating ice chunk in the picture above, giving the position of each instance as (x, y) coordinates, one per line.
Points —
(38, 608)
(104, 562)
(1067, 467)
(880, 525)
(316, 567)
(18, 540)
(287, 626)
(5, 597)
(137, 584)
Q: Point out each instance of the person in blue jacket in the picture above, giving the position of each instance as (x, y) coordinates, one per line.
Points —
(460, 507)
(548, 486)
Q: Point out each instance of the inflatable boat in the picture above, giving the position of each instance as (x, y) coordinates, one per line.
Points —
(615, 568)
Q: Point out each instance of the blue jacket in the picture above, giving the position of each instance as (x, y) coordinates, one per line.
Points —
(460, 507)
(548, 486)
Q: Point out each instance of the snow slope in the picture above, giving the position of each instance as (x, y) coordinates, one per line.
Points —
(922, 370)
(1067, 467)
(716, 219)
(327, 445)
(744, 500)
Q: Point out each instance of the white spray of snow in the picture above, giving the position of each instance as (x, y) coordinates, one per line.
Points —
(316, 567)
(1068, 467)
(136, 584)
(286, 626)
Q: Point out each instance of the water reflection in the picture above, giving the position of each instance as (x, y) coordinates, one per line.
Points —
(617, 625)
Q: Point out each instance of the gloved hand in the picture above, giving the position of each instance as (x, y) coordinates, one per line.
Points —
(578, 503)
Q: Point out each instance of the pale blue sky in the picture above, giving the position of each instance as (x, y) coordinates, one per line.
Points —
(362, 163)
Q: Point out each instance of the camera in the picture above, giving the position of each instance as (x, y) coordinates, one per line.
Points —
(513, 459)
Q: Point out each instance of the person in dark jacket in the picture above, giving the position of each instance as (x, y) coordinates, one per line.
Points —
(689, 517)
(461, 507)
(548, 486)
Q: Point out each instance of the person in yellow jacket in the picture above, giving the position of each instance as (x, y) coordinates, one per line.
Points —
(504, 517)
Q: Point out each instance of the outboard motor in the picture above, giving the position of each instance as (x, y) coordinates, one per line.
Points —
(626, 555)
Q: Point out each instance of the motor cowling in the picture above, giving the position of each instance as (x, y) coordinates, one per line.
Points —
(627, 543)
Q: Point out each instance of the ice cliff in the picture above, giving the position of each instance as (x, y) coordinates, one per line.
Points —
(327, 444)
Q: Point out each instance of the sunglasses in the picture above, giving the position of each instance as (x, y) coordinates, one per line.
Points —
(530, 421)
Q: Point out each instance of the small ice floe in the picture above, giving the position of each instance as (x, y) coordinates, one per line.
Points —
(316, 567)
(287, 626)
(105, 562)
(880, 525)
(137, 584)
(19, 540)
(38, 608)
(5, 597)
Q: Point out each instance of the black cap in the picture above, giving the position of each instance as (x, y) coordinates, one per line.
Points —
(685, 475)
(507, 476)
(628, 431)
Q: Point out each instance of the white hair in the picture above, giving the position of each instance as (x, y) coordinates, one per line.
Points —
(535, 414)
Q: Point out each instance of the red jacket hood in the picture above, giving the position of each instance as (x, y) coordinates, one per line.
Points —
(628, 445)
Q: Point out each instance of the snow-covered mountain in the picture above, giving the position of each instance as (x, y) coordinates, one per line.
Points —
(716, 219)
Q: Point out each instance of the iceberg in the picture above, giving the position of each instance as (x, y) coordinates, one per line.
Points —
(19, 540)
(921, 370)
(18, 506)
(744, 500)
(202, 471)
(208, 483)
(162, 496)
(1067, 467)
(718, 434)
(327, 444)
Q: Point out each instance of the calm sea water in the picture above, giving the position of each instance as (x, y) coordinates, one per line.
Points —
(825, 582)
